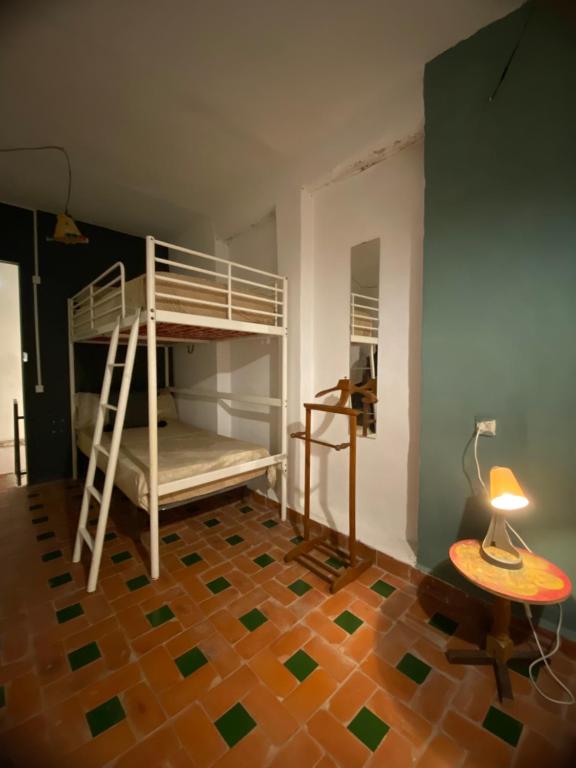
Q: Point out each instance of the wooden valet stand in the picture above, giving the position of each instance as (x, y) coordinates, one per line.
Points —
(353, 564)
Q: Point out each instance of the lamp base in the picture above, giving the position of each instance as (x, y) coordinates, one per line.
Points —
(497, 548)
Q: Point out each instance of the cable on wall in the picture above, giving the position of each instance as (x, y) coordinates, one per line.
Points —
(514, 52)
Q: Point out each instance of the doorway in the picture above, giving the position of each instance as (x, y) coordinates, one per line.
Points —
(11, 386)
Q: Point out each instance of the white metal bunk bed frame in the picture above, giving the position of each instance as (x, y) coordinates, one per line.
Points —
(93, 314)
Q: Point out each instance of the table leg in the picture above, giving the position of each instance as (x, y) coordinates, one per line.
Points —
(499, 649)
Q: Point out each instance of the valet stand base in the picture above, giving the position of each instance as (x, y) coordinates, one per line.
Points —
(351, 568)
(499, 650)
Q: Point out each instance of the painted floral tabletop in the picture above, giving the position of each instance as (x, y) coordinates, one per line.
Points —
(538, 581)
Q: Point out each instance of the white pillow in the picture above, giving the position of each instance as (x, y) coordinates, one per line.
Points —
(166, 405)
(86, 409)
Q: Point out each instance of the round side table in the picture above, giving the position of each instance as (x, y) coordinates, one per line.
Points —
(538, 582)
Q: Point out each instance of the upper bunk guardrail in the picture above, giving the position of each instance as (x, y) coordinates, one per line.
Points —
(235, 290)
(364, 318)
(100, 302)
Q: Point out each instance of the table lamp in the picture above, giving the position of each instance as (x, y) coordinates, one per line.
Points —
(506, 495)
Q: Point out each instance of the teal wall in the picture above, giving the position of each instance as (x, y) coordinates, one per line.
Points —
(499, 322)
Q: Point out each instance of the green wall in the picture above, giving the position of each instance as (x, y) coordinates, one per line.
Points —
(499, 323)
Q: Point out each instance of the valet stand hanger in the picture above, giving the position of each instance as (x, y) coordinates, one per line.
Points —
(353, 564)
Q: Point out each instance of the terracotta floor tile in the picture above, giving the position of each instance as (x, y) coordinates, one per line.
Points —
(301, 750)
(388, 677)
(188, 689)
(227, 625)
(442, 752)
(222, 655)
(400, 717)
(334, 663)
(362, 643)
(199, 736)
(351, 696)
(394, 750)
(159, 669)
(343, 746)
(28, 744)
(325, 627)
(434, 696)
(272, 673)
(253, 750)
(142, 709)
(221, 697)
(23, 698)
(161, 747)
(101, 750)
(157, 636)
(279, 592)
(115, 650)
(255, 641)
(112, 685)
(68, 727)
(291, 641)
(310, 695)
(270, 714)
(476, 739)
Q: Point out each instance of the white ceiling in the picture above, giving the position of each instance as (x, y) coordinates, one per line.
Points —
(175, 107)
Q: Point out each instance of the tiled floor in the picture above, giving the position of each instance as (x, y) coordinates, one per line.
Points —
(233, 658)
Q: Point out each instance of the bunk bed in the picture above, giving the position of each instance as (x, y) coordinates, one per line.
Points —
(186, 297)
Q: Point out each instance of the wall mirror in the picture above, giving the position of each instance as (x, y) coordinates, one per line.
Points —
(364, 323)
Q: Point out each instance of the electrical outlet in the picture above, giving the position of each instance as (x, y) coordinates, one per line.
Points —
(486, 427)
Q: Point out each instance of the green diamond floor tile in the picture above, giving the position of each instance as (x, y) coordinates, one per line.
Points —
(348, 622)
(297, 539)
(443, 623)
(191, 559)
(58, 581)
(2, 696)
(245, 509)
(270, 523)
(160, 615)
(171, 537)
(301, 665)
(299, 587)
(521, 667)
(190, 661)
(137, 582)
(46, 535)
(218, 585)
(263, 560)
(105, 716)
(38, 520)
(212, 522)
(110, 536)
(413, 668)
(233, 540)
(502, 725)
(119, 557)
(82, 656)
(53, 555)
(368, 728)
(235, 724)
(253, 619)
(382, 588)
(69, 613)
(335, 562)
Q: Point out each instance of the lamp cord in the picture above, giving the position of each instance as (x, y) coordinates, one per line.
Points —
(48, 147)
(543, 658)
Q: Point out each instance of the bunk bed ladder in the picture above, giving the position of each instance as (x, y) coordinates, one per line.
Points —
(103, 498)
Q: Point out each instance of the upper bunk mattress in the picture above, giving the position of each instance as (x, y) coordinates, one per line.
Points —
(183, 451)
(188, 298)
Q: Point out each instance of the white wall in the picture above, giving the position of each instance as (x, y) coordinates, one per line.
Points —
(10, 365)
(383, 202)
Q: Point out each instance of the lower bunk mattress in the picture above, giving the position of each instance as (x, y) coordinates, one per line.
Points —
(183, 451)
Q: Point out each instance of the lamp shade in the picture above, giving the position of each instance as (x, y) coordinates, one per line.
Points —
(505, 491)
(67, 232)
